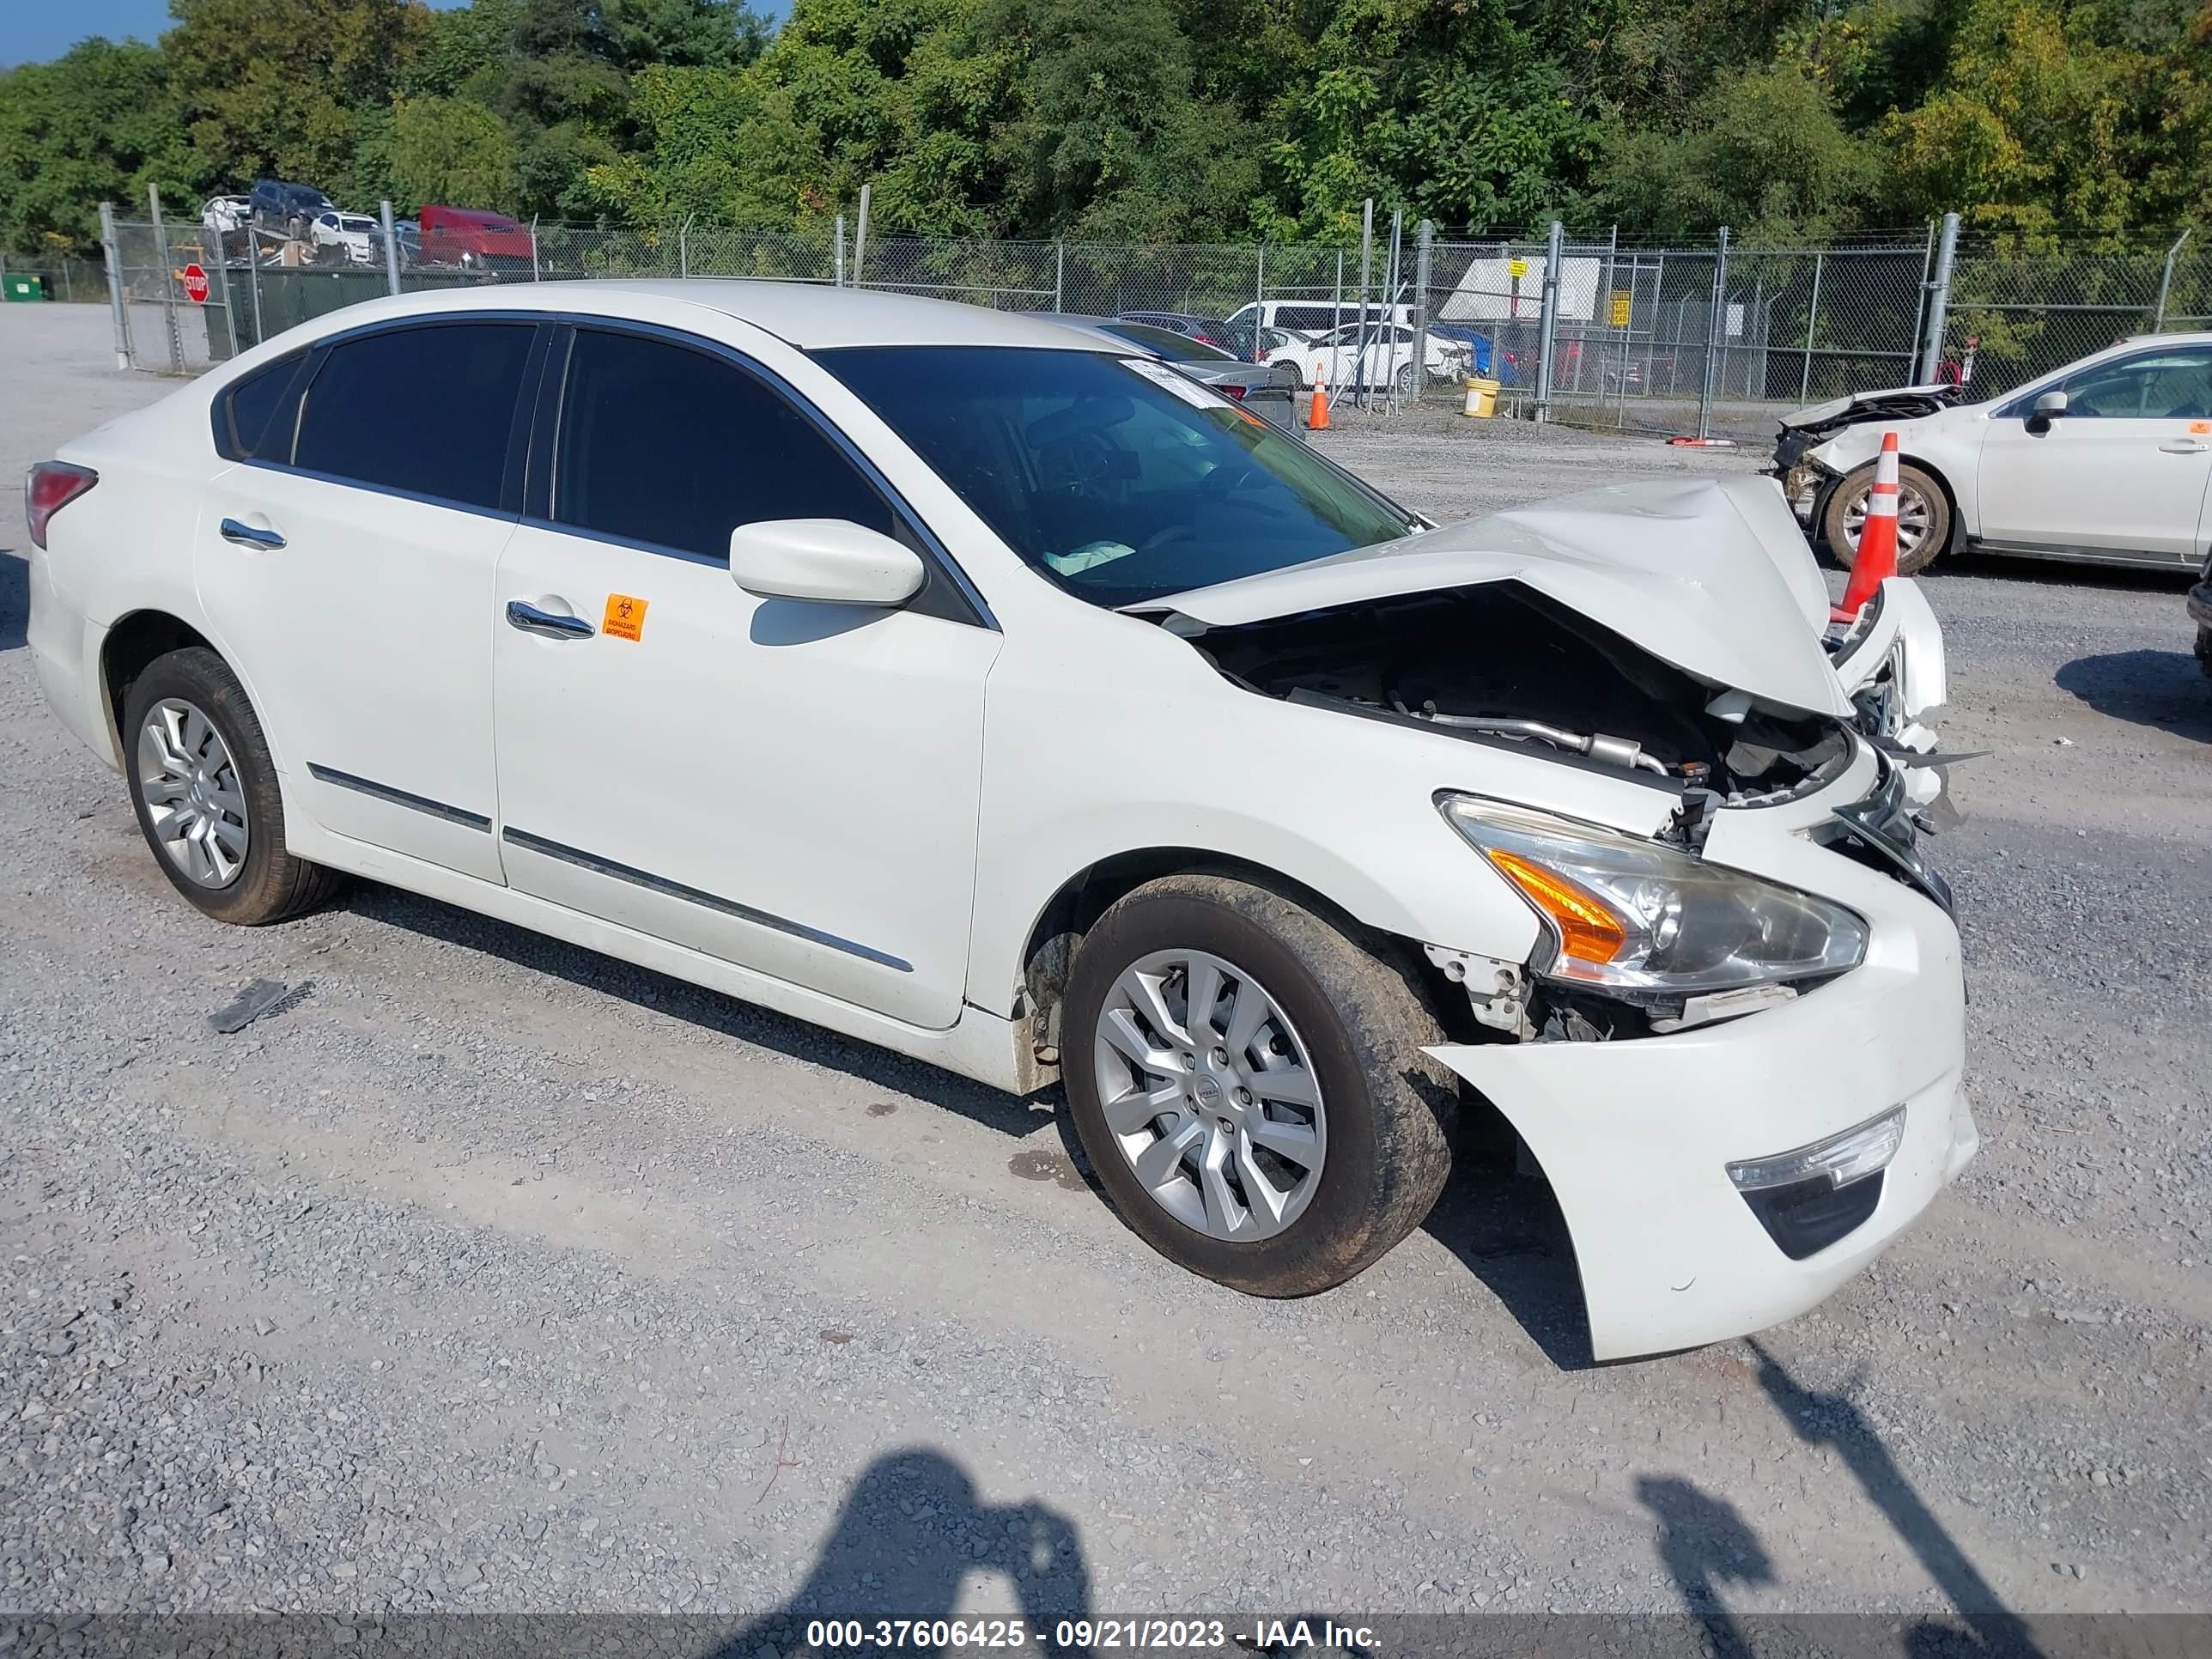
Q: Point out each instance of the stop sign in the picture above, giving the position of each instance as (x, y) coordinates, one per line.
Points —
(196, 285)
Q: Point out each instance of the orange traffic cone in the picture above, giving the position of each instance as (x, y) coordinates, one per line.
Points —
(1877, 556)
(1317, 411)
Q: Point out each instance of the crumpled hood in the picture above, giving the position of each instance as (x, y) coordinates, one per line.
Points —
(1711, 575)
(1893, 403)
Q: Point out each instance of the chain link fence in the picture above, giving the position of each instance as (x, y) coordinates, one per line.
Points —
(71, 281)
(1619, 334)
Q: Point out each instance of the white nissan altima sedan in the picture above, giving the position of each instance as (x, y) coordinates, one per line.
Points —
(961, 683)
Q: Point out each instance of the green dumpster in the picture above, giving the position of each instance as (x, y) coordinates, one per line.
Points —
(17, 285)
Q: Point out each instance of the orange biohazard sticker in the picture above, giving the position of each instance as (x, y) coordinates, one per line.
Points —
(625, 617)
(2200, 426)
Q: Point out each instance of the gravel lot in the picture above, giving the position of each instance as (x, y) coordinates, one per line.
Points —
(493, 1274)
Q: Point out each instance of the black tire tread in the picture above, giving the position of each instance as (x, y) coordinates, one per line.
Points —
(1831, 517)
(275, 886)
(1369, 984)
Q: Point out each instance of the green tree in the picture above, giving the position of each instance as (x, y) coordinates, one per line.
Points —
(96, 124)
(2049, 114)
(446, 149)
(275, 86)
(1763, 152)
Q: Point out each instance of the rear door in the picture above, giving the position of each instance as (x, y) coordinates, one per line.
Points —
(2121, 472)
(349, 562)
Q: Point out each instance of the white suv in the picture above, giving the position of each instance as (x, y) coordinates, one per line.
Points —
(2106, 461)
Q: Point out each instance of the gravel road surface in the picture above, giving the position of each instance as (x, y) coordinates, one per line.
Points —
(488, 1274)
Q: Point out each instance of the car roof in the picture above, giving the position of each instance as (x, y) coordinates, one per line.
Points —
(812, 316)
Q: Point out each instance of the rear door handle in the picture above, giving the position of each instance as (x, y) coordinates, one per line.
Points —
(2185, 446)
(551, 623)
(240, 534)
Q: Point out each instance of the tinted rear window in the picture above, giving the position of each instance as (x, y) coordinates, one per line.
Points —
(425, 410)
(247, 415)
(669, 446)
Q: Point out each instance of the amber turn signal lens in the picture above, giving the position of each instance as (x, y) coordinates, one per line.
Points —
(1588, 930)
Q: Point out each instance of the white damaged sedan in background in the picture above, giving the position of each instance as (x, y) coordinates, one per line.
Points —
(984, 692)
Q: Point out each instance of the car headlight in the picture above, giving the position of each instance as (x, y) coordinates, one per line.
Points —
(1631, 916)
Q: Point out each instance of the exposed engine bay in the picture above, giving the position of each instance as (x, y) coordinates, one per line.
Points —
(1806, 428)
(1499, 663)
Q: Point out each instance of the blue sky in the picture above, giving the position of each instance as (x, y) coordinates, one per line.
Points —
(33, 29)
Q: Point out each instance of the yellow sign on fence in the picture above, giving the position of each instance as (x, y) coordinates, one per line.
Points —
(1620, 308)
(1516, 269)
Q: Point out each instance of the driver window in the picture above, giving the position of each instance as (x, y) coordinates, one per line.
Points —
(2174, 384)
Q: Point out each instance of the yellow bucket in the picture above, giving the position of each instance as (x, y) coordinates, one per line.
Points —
(1481, 398)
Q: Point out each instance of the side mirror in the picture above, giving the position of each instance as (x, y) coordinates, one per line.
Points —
(2045, 409)
(831, 560)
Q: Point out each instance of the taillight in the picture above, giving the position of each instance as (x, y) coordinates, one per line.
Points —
(1234, 390)
(51, 486)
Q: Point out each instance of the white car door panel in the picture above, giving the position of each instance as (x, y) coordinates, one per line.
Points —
(362, 614)
(788, 785)
(2124, 471)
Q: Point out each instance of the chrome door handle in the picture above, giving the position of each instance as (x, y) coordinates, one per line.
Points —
(246, 535)
(2183, 446)
(551, 623)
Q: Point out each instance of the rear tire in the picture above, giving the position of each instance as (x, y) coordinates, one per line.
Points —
(2204, 649)
(1345, 1024)
(1923, 518)
(193, 754)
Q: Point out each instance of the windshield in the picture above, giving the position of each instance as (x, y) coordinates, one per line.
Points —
(1120, 480)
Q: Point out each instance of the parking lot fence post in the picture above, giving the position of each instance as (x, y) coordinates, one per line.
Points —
(861, 239)
(391, 250)
(1366, 269)
(534, 275)
(1713, 316)
(169, 281)
(1424, 249)
(1812, 322)
(837, 255)
(1939, 299)
(684, 247)
(1394, 286)
(1335, 321)
(1613, 334)
(1547, 325)
(222, 274)
(111, 256)
(2166, 284)
(253, 279)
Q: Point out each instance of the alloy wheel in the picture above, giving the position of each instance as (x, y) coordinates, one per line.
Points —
(1914, 517)
(1210, 1094)
(195, 803)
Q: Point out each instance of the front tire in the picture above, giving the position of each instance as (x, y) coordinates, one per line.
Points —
(1289, 1133)
(1923, 518)
(204, 790)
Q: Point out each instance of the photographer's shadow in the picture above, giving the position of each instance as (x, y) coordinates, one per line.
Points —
(911, 1529)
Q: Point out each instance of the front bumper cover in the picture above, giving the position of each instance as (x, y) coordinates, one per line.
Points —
(1635, 1135)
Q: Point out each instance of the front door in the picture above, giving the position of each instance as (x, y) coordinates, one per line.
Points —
(786, 785)
(353, 564)
(2124, 471)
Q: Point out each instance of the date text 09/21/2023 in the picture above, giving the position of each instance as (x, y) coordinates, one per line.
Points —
(1195, 1634)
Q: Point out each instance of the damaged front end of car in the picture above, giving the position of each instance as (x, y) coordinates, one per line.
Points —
(1734, 1047)
(1801, 431)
